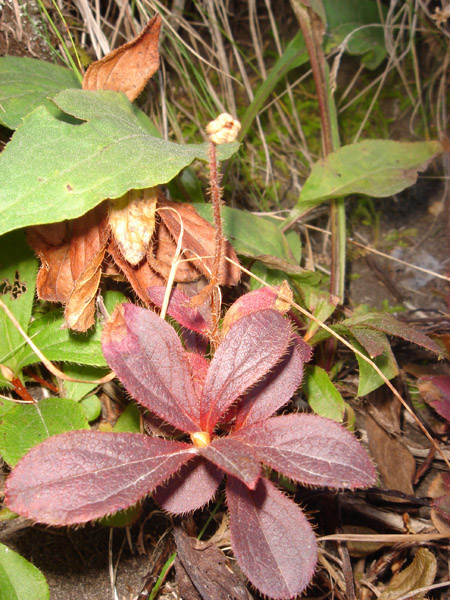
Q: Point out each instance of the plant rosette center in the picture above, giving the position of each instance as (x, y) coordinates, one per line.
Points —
(200, 439)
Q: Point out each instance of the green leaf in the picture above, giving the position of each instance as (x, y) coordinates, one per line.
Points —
(419, 574)
(6, 405)
(360, 19)
(123, 518)
(76, 391)
(112, 298)
(53, 170)
(18, 269)
(92, 408)
(26, 83)
(321, 304)
(369, 380)
(63, 345)
(322, 395)
(27, 425)
(294, 56)
(129, 420)
(254, 236)
(377, 168)
(19, 579)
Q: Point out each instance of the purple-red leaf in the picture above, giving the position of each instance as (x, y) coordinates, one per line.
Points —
(179, 308)
(147, 356)
(269, 394)
(252, 347)
(388, 324)
(435, 390)
(83, 475)
(198, 366)
(255, 301)
(235, 458)
(271, 539)
(312, 450)
(191, 488)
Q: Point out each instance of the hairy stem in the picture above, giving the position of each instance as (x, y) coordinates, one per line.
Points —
(215, 192)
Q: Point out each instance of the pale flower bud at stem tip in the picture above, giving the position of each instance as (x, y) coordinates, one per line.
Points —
(6, 372)
(223, 130)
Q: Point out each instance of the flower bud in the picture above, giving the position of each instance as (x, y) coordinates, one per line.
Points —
(223, 130)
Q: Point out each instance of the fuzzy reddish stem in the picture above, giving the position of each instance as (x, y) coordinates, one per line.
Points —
(215, 192)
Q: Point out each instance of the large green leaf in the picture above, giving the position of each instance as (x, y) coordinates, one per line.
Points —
(359, 22)
(76, 390)
(254, 236)
(19, 579)
(27, 425)
(377, 168)
(62, 345)
(26, 83)
(54, 170)
(18, 267)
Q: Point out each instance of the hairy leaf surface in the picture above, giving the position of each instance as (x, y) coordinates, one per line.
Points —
(147, 356)
(191, 488)
(235, 458)
(179, 308)
(83, 475)
(272, 392)
(252, 347)
(312, 450)
(53, 170)
(271, 538)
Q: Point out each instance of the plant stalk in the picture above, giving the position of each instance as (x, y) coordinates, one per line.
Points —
(311, 25)
(215, 192)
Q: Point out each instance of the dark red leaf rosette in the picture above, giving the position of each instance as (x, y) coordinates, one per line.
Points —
(79, 476)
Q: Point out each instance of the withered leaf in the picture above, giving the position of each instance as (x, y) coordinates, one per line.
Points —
(52, 244)
(87, 251)
(128, 68)
(132, 222)
(164, 248)
(208, 569)
(198, 240)
(140, 277)
(395, 462)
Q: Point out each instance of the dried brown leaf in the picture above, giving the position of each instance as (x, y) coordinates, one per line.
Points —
(52, 245)
(132, 222)
(87, 250)
(140, 277)
(395, 462)
(128, 68)
(198, 240)
(164, 248)
(208, 569)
